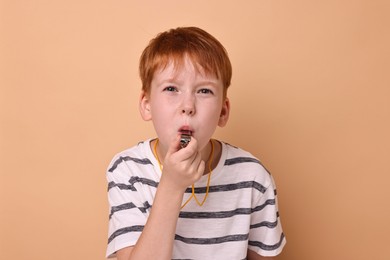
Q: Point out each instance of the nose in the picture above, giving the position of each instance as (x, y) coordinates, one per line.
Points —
(187, 111)
(188, 105)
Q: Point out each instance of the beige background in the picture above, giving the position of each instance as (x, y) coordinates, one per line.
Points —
(310, 97)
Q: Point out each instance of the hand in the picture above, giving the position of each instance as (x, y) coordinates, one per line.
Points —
(182, 167)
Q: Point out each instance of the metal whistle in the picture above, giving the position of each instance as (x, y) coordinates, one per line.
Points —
(184, 140)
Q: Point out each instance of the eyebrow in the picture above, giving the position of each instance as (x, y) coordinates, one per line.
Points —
(174, 80)
(207, 82)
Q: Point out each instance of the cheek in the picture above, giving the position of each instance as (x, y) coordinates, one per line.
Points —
(158, 108)
(213, 112)
(161, 116)
(210, 120)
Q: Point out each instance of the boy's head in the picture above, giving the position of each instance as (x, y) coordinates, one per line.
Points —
(174, 45)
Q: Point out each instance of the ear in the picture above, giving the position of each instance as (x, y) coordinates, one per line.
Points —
(225, 111)
(144, 106)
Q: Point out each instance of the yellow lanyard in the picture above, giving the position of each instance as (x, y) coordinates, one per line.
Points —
(193, 186)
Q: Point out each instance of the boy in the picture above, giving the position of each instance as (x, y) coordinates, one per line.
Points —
(184, 195)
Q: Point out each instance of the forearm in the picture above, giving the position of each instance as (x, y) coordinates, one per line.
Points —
(253, 256)
(156, 240)
(181, 169)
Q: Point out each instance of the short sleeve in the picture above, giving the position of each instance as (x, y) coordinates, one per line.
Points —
(266, 236)
(127, 209)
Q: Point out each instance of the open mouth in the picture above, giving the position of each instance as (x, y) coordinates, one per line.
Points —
(186, 132)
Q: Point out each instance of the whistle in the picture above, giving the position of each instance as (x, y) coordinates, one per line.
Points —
(184, 140)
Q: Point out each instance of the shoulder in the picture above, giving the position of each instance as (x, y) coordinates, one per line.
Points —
(136, 156)
(238, 159)
(239, 156)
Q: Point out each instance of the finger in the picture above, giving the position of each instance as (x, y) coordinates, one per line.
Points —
(174, 146)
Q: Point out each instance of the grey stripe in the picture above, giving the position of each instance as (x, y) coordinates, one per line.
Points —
(241, 160)
(265, 224)
(220, 214)
(214, 240)
(146, 181)
(230, 187)
(125, 230)
(130, 205)
(237, 160)
(199, 190)
(121, 186)
(224, 214)
(265, 246)
(266, 203)
(132, 181)
(128, 158)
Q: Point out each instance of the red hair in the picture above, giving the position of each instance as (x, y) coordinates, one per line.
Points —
(174, 45)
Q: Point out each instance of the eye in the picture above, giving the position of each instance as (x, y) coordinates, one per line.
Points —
(205, 91)
(170, 89)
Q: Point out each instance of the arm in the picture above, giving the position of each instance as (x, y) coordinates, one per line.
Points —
(181, 169)
(161, 226)
(269, 235)
(253, 256)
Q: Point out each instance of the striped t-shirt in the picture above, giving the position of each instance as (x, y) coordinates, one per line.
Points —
(240, 212)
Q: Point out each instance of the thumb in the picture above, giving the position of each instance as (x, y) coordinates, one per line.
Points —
(174, 146)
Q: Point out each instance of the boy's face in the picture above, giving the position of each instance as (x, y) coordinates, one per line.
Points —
(185, 99)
